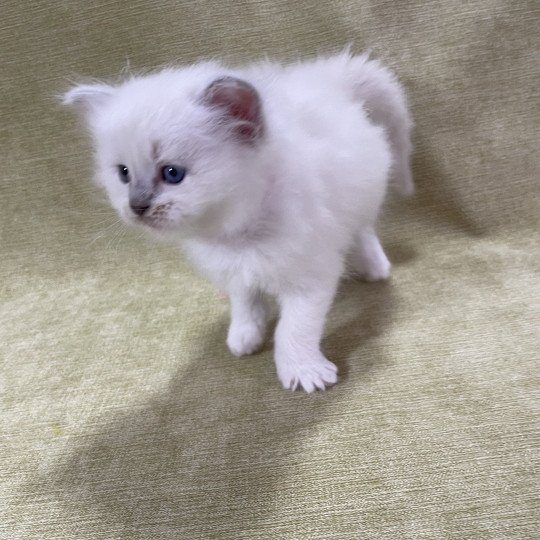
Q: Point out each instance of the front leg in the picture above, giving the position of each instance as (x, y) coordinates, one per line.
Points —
(299, 360)
(248, 321)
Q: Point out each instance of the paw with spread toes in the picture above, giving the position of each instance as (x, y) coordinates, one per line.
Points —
(310, 372)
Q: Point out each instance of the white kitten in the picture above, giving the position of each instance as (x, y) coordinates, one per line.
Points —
(268, 175)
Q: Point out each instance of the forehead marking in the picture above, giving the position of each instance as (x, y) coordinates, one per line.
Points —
(155, 150)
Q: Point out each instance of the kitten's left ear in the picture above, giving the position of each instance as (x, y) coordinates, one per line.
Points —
(88, 95)
(240, 106)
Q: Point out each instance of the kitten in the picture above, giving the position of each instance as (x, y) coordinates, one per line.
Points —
(269, 176)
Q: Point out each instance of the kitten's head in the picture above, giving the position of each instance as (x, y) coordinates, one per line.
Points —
(174, 150)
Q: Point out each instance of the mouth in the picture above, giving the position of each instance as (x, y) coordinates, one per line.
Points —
(153, 222)
(156, 218)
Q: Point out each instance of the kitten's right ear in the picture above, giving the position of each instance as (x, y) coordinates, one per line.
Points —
(88, 95)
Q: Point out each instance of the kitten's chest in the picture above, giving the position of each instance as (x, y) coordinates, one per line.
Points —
(253, 266)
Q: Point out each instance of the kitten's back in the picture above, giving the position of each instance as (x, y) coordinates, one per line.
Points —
(345, 77)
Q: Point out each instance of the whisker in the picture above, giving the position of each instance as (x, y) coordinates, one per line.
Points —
(97, 211)
(120, 239)
(116, 234)
(105, 231)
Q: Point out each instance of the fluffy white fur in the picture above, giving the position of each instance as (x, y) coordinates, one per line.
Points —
(274, 212)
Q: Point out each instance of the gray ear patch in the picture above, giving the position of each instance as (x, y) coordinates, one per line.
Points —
(241, 105)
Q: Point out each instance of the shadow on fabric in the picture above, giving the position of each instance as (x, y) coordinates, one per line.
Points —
(208, 456)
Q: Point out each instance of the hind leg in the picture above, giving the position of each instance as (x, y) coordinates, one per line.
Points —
(401, 176)
(368, 258)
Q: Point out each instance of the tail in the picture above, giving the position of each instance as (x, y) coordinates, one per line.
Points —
(381, 93)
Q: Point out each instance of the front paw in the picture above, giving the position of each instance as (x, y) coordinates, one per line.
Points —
(310, 371)
(244, 338)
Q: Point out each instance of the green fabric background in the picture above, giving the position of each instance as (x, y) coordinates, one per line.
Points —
(123, 415)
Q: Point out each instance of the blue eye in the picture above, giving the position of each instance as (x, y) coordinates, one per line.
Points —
(172, 174)
(124, 173)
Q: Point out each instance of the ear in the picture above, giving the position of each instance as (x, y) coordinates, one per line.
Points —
(240, 105)
(88, 95)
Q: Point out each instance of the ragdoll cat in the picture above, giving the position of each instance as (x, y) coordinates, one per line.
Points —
(269, 176)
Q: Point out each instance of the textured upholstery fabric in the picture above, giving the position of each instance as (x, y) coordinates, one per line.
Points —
(123, 415)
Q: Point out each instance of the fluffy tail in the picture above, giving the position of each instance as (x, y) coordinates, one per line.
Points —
(381, 93)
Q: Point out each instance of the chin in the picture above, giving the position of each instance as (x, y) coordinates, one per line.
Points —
(156, 224)
(161, 228)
